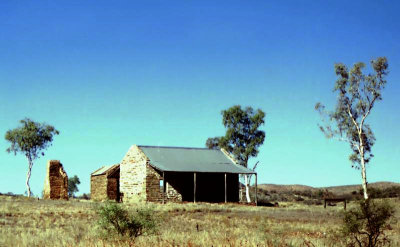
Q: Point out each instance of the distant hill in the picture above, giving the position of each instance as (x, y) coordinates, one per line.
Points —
(338, 190)
(347, 189)
(285, 188)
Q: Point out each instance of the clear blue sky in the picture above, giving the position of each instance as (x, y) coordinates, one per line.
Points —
(109, 75)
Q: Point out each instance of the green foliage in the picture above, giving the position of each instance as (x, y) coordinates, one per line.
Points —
(116, 221)
(31, 138)
(357, 94)
(85, 196)
(366, 225)
(213, 142)
(73, 185)
(243, 137)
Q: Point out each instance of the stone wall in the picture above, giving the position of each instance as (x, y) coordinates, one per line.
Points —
(105, 186)
(154, 191)
(56, 182)
(98, 187)
(112, 189)
(133, 175)
(139, 181)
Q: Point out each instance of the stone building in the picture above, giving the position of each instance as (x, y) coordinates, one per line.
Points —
(104, 183)
(56, 182)
(152, 173)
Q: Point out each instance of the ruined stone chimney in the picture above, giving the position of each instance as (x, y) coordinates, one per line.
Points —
(56, 182)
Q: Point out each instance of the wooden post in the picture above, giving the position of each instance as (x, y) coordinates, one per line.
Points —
(194, 187)
(256, 188)
(324, 203)
(164, 189)
(344, 204)
(226, 198)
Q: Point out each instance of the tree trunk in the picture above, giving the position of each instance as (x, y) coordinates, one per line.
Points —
(364, 176)
(363, 170)
(247, 184)
(240, 192)
(28, 176)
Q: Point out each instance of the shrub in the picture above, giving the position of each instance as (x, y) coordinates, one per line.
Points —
(389, 192)
(116, 221)
(84, 196)
(313, 202)
(145, 219)
(393, 191)
(366, 224)
(298, 198)
(318, 194)
(265, 202)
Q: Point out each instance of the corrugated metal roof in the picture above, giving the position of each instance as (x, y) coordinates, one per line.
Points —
(103, 170)
(178, 159)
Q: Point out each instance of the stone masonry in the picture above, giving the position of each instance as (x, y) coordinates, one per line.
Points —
(56, 182)
(105, 186)
(154, 191)
(133, 175)
(98, 188)
(139, 181)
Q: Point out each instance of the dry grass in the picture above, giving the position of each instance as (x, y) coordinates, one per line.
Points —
(28, 222)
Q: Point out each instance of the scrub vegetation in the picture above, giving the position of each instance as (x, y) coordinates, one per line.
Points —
(31, 222)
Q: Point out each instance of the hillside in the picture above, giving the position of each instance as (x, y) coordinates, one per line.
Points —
(338, 190)
(347, 189)
(279, 188)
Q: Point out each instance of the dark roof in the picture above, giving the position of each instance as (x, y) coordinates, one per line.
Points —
(180, 159)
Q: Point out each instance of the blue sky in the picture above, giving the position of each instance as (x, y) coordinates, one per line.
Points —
(112, 74)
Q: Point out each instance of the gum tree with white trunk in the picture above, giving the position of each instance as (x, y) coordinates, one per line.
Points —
(243, 136)
(357, 94)
(30, 139)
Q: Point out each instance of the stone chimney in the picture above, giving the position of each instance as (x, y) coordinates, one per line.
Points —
(56, 182)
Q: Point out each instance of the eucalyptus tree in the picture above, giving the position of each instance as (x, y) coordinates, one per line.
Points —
(73, 185)
(243, 136)
(213, 142)
(30, 139)
(357, 95)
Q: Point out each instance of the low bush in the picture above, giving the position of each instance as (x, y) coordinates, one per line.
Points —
(116, 221)
(265, 203)
(313, 202)
(84, 196)
(390, 192)
(366, 224)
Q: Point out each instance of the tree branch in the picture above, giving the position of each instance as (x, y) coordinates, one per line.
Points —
(352, 119)
(369, 110)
